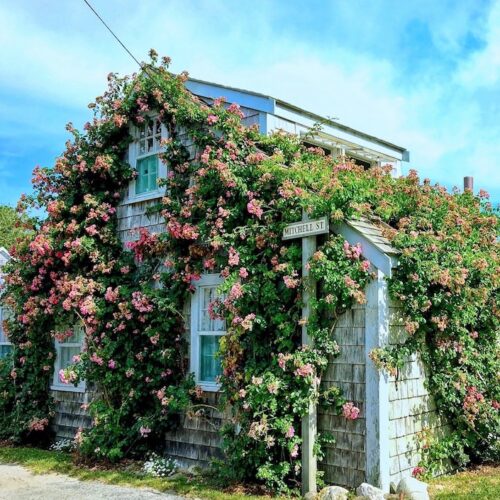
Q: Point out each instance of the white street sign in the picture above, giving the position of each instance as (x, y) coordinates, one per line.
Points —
(306, 228)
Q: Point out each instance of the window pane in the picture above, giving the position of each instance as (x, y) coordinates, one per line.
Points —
(4, 350)
(208, 295)
(153, 172)
(66, 356)
(138, 184)
(210, 365)
(3, 337)
(147, 174)
(77, 337)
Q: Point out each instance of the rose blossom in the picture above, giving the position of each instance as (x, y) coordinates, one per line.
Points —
(212, 119)
(234, 257)
(350, 411)
(254, 208)
(304, 370)
(144, 431)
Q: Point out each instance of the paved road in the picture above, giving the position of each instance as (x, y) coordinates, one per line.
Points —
(17, 483)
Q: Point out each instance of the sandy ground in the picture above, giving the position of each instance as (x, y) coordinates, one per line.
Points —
(17, 483)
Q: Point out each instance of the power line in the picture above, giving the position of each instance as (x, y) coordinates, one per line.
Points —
(146, 68)
(115, 36)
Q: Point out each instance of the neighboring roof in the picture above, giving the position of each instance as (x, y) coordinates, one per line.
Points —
(270, 104)
(373, 232)
(374, 245)
(4, 253)
(4, 258)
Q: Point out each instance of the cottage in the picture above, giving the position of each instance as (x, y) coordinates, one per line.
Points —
(381, 445)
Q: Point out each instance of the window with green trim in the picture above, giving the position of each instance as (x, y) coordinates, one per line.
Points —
(147, 147)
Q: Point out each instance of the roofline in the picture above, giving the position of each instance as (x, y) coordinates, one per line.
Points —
(362, 135)
(317, 118)
(235, 89)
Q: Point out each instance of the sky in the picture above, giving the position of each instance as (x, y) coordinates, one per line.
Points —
(424, 74)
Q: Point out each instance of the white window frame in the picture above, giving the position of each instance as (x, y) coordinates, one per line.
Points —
(57, 385)
(134, 155)
(3, 339)
(206, 280)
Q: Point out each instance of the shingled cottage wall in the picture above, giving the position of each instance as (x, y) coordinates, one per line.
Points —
(411, 407)
(344, 462)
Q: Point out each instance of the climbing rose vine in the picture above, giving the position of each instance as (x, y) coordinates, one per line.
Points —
(228, 194)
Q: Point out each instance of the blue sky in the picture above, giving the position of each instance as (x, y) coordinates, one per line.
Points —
(424, 74)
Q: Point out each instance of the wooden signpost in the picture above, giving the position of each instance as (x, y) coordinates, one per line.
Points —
(307, 230)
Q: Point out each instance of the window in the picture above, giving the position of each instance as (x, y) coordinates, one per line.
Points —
(65, 350)
(143, 155)
(5, 345)
(206, 333)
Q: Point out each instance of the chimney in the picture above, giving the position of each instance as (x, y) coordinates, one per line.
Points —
(469, 183)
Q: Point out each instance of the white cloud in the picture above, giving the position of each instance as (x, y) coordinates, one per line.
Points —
(64, 56)
(482, 69)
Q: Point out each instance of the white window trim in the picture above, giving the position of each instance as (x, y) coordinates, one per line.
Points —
(57, 385)
(194, 362)
(133, 156)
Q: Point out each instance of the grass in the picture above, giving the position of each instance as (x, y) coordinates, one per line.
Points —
(482, 483)
(43, 462)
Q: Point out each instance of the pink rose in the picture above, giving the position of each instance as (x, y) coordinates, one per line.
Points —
(350, 411)
(212, 119)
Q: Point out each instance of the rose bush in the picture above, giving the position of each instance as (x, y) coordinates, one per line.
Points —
(227, 198)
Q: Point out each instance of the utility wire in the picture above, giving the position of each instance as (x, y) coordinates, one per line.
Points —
(115, 36)
(150, 71)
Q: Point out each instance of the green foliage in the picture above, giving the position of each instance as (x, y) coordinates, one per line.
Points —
(227, 200)
(12, 226)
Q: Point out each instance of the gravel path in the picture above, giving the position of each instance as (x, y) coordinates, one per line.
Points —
(17, 483)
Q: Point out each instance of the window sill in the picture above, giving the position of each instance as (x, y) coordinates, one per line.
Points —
(209, 387)
(151, 195)
(68, 388)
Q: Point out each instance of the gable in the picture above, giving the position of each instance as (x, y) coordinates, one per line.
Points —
(375, 247)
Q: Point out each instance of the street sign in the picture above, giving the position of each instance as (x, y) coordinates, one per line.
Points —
(306, 228)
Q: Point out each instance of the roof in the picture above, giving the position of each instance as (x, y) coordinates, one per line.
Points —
(374, 233)
(4, 255)
(269, 104)
(374, 245)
